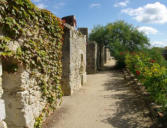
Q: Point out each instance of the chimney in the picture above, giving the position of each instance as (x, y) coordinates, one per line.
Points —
(71, 20)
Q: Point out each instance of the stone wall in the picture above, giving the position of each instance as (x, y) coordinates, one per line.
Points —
(21, 94)
(2, 104)
(84, 31)
(91, 60)
(100, 56)
(22, 97)
(107, 55)
(97, 56)
(91, 53)
(102, 51)
(22, 100)
(31, 62)
(74, 60)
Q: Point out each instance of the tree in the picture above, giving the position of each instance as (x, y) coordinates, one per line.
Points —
(119, 37)
(98, 34)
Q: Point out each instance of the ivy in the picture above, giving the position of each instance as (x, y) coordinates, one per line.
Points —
(40, 50)
(4, 50)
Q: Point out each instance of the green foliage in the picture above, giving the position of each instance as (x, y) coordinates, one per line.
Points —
(4, 50)
(120, 37)
(156, 54)
(40, 56)
(152, 74)
(98, 34)
(38, 122)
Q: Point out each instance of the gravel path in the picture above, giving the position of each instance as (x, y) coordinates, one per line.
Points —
(105, 102)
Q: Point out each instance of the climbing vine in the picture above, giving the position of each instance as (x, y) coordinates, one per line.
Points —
(39, 35)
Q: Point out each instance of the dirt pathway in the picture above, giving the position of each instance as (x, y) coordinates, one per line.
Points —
(105, 102)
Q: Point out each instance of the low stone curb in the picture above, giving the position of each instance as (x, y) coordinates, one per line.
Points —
(153, 107)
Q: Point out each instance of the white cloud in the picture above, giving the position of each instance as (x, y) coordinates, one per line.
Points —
(41, 5)
(36, 0)
(159, 43)
(95, 5)
(150, 13)
(59, 5)
(147, 30)
(122, 4)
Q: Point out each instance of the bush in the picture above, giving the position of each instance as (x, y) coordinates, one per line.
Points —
(156, 54)
(152, 74)
(120, 57)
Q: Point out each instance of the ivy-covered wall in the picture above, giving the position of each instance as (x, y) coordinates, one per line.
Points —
(31, 50)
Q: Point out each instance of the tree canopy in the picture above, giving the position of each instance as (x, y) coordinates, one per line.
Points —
(119, 35)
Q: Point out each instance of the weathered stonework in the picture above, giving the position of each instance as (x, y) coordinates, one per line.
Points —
(1, 90)
(3, 124)
(107, 55)
(22, 97)
(91, 53)
(22, 100)
(74, 60)
(84, 31)
(102, 62)
(100, 56)
(91, 60)
(2, 103)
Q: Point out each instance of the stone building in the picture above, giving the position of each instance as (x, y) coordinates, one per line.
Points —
(74, 58)
(91, 53)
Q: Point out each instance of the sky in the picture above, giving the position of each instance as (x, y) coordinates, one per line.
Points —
(149, 16)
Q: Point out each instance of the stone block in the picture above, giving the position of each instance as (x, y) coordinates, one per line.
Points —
(1, 90)
(91, 58)
(23, 101)
(2, 110)
(0, 68)
(3, 124)
(84, 31)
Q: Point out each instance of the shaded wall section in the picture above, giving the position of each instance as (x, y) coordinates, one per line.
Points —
(91, 60)
(107, 55)
(74, 60)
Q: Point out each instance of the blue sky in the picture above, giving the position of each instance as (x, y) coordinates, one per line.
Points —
(149, 16)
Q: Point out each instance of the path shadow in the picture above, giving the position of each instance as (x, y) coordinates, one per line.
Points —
(110, 65)
(131, 109)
